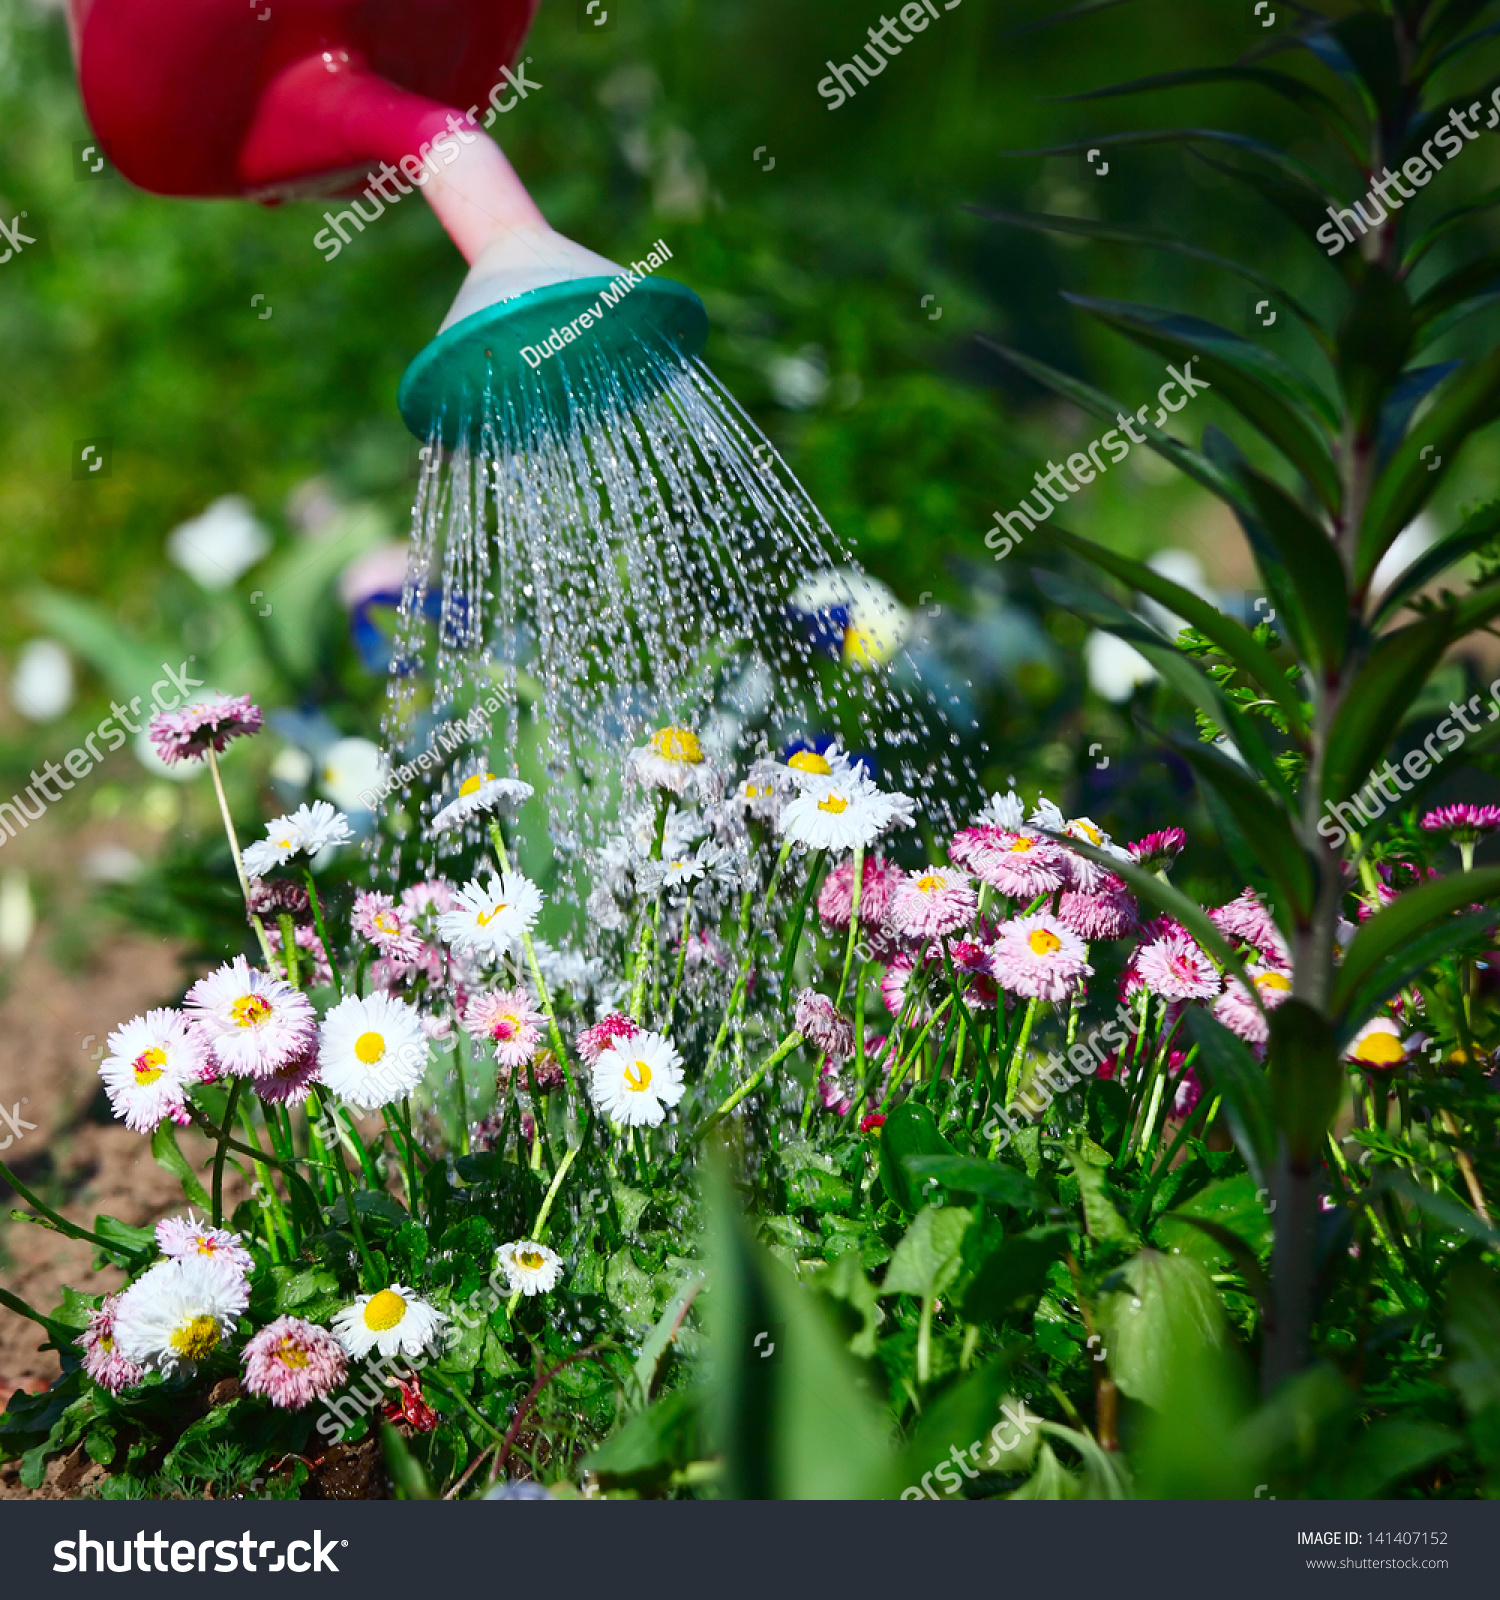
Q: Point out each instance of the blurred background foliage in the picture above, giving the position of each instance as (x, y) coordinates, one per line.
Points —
(846, 278)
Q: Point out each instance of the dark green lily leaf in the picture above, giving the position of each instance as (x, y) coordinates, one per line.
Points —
(1014, 1274)
(1453, 218)
(1270, 395)
(1410, 391)
(1307, 1078)
(1377, 702)
(1412, 957)
(1470, 399)
(1471, 279)
(1374, 340)
(1395, 926)
(1235, 640)
(1230, 1071)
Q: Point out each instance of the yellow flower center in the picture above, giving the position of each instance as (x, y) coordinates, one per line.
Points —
(289, 1355)
(1380, 1050)
(1043, 941)
(370, 1047)
(835, 804)
(196, 1339)
(532, 1260)
(1088, 831)
(106, 1342)
(677, 744)
(810, 761)
(384, 1310)
(149, 1065)
(758, 791)
(206, 1247)
(387, 922)
(283, 844)
(474, 783)
(249, 1011)
(931, 881)
(1019, 844)
(487, 917)
(1274, 980)
(638, 1076)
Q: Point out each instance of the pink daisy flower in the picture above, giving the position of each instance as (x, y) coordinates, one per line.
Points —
(593, 1042)
(253, 1022)
(309, 945)
(822, 1026)
(1462, 822)
(1039, 956)
(292, 1363)
(973, 966)
(1247, 921)
(1018, 863)
(1157, 851)
(186, 1236)
(1189, 1090)
(894, 982)
(102, 1359)
(930, 904)
(509, 1020)
(152, 1062)
(289, 1084)
(1176, 967)
(186, 735)
(877, 885)
(833, 1093)
(434, 895)
(1235, 1009)
(1107, 914)
(377, 920)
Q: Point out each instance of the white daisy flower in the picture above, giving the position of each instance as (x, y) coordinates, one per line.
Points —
(489, 919)
(1006, 811)
(254, 1023)
(480, 792)
(761, 791)
(530, 1268)
(179, 1312)
(637, 1079)
(1084, 875)
(806, 767)
(672, 759)
(393, 1321)
(372, 1051)
(186, 1236)
(308, 830)
(839, 813)
(152, 1062)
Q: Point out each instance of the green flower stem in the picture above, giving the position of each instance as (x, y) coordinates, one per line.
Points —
(861, 982)
(443, 1386)
(401, 1143)
(554, 1033)
(752, 1083)
(239, 865)
(460, 1044)
(270, 1202)
(1202, 1112)
(539, 1117)
(346, 1183)
(539, 1228)
(855, 885)
(317, 911)
(748, 943)
(289, 948)
(1016, 1061)
(222, 1142)
(682, 947)
(650, 935)
(49, 1218)
(899, 1074)
(212, 1130)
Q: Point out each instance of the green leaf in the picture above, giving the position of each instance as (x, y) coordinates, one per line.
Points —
(1296, 547)
(1233, 638)
(1411, 958)
(792, 1422)
(1394, 926)
(657, 1344)
(1470, 400)
(910, 1130)
(127, 666)
(1230, 1071)
(1388, 1451)
(1100, 1214)
(1472, 534)
(845, 1281)
(1167, 1302)
(1374, 340)
(930, 1252)
(167, 1154)
(1473, 1334)
(1376, 702)
(295, 583)
(1187, 460)
(968, 1420)
(406, 1471)
(1012, 1276)
(794, 931)
(1307, 1078)
(1272, 396)
(652, 1444)
(1265, 825)
(995, 1181)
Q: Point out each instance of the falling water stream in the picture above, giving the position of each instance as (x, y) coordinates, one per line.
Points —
(635, 567)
